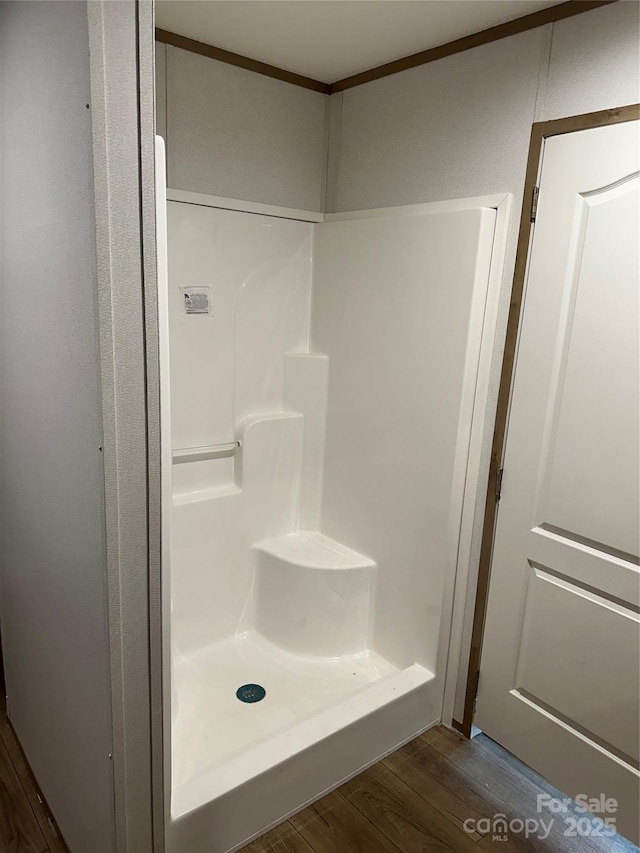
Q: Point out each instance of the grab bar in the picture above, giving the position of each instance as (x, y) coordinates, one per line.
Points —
(200, 454)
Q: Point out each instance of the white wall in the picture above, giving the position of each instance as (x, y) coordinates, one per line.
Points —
(234, 133)
(593, 63)
(54, 608)
(460, 127)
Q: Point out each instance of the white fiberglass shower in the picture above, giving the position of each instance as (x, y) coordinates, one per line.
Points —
(320, 383)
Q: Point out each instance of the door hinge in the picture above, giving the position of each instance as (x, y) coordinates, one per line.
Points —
(534, 203)
(499, 474)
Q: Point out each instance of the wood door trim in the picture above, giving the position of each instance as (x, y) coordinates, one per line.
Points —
(510, 28)
(539, 132)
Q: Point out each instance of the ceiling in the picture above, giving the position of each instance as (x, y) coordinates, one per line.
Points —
(332, 39)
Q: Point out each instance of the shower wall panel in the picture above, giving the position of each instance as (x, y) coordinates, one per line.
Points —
(228, 363)
(250, 277)
(393, 302)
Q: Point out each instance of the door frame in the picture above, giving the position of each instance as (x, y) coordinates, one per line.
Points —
(540, 131)
(121, 66)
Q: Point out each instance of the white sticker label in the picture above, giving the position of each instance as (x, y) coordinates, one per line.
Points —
(195, 300)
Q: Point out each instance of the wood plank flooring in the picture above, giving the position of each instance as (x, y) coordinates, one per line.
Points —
(26, 825)
(418, 799)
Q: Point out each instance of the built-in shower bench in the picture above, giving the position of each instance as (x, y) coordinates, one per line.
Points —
(313, 594)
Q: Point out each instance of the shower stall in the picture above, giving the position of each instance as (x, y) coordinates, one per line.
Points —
(323, 392)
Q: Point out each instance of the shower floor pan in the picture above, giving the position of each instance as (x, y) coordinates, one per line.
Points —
(239, 768)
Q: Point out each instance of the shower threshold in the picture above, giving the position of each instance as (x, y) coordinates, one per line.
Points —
(302, 732)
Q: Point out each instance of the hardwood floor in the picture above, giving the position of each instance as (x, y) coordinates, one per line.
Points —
(26, 825)
(418, 799)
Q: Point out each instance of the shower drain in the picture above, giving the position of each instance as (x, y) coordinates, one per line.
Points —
(251, 693)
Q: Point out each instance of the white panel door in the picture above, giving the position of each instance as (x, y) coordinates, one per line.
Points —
(559, 675)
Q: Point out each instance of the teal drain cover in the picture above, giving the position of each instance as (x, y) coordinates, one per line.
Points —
(250, 693)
